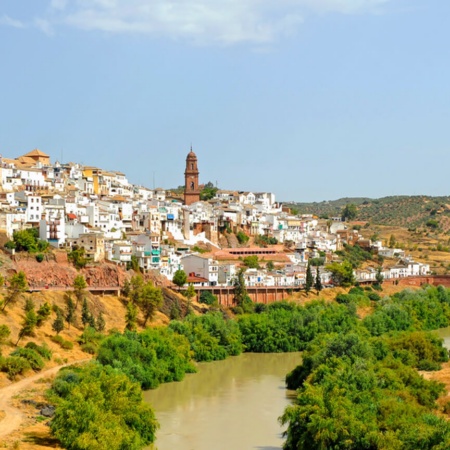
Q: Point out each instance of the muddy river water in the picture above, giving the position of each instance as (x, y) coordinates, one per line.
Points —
(228, 405)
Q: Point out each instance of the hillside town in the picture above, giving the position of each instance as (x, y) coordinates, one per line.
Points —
(110, 219)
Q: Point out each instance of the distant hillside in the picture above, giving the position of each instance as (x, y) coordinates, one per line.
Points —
(406, 211)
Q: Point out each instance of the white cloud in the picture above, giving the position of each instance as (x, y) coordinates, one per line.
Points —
(6, 20)
(59, 4)
(45, 26)
(202, 21)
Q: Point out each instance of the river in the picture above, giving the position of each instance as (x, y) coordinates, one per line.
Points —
(444, 333)
(231, 404)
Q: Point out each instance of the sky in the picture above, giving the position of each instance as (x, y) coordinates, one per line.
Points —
(309, 99)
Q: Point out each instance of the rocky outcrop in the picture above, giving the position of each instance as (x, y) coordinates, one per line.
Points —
(59, 273)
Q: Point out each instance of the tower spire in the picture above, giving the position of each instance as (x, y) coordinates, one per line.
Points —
(191, 189)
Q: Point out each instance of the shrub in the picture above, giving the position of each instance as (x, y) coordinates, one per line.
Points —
(260, 307)
(155, 356)
(373, 296)
(237, 310)
(102, 409)
(39, 257)
(43, 350)
(14, 365)
(33, 357)
(242, 237)
(447, 408)
(66, 345)
(5, 332)
(90, 348)
(91, 336)
(208, 298)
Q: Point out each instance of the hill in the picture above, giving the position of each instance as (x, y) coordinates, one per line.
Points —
(403, 211)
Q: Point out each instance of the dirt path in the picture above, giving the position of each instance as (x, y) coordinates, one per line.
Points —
(13, 416)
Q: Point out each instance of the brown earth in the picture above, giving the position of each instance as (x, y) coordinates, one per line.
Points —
(23, 423)
(421, 244)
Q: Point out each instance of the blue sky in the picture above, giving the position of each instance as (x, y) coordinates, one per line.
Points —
(309, 99)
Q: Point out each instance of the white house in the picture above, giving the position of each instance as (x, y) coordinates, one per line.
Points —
(201, 267)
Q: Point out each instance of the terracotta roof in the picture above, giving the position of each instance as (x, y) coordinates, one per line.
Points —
(196, 280)
(26, 160)
(36, 152)
(71, 216)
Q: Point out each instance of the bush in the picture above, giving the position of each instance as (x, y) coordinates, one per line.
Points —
(237, 310)
(39, 257)
(33, 357)
(14, 365)
(374, 296)
(66, 345)
(43, 350)
(157, 355)
(90, 348)
(260, 307)
(208, 298)
(242, 237)
(90, 339)
(101, 409)
(5, 332)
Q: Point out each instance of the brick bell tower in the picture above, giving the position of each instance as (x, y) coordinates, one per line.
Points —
(191, 190)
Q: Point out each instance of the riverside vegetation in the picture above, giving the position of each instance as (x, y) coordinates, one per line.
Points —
(357, 388)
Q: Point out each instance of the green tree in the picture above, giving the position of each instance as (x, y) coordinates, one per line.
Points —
(190, 294)
(240, 289)
(29, 304)
(309, 281)
(5, 332)
(208, 298)
(150, 300)
(136, 286)
(342, 274)
(43, 313)
(58, 323)
(349, 212)
(77, 257)
(252, 262)
(28, 324)
(379, 277)
(17, 286)
(100, 323)
(70, 311)
(208, 192)
(134, 264)
(242, 237)
(126, 288)
(85, 313)
(102, 409)
(131, 317)
(79, 288)
(270, 265)
(392, 241)
(318, 282)
(26, 240)
(179, 278)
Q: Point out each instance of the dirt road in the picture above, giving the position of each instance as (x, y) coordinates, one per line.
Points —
(13, 416)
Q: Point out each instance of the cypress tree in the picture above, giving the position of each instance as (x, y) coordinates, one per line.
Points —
(100, 324)
(58, 324)
(318, 282)
(85, 313)
(70, 311)
(309, 279)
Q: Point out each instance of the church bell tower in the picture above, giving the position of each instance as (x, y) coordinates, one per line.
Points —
(191, 189)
